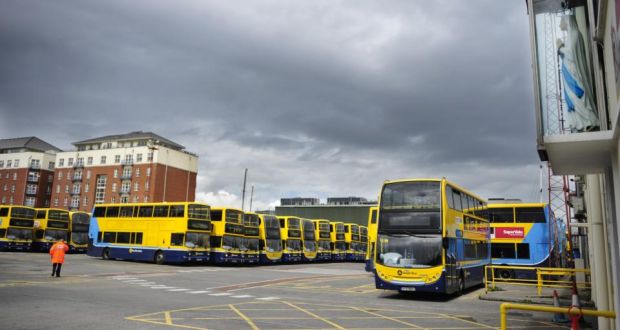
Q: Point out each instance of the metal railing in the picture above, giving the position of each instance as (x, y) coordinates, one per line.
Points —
(542, 277)
(503, 309)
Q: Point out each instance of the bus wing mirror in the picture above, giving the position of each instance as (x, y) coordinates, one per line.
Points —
(445, 243)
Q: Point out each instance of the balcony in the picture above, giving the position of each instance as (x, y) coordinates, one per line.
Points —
(124, 191)
(32, 179)
(127, 162)
(126, 176)
(34, 166)
(78, 165)
(31, 192)
(77, 178)
(75, 191)
(572, 124)
(75, 205)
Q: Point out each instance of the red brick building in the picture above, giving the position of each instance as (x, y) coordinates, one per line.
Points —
(26, 171)
(127, 168)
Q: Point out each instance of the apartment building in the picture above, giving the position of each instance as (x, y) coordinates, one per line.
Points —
(576, 74)
(133, 167)
(26, 171)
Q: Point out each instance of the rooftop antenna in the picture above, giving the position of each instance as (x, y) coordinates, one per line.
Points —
(245, 176)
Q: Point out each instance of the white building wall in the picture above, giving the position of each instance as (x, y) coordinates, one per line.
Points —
(23, 159)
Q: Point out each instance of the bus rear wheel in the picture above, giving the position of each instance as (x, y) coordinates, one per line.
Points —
(505, 274)
(159, 258)
(461, 284)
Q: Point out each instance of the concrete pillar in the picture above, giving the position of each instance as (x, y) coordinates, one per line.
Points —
(598, 241)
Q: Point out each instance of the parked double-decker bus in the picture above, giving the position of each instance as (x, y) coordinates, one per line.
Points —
(323, 243)
(16, 225)
(176, 232)
(250, 246)
(523, 234)
(372, 238)
(50, 225)
(430, 237)
(363, 244)
(290, 232)
(78, 234)
(270, 244)
(352, 240)
(338, 243)
(308, 240)
(227, 236)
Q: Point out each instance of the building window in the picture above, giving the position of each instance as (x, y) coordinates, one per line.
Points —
(112, 200)
(14, 176)
(12, 188)
(87, 174)
(135, 199)
(76, 188)
(102, 160)
(89, 161)
(56, 201)
(11, 200)
(1, 163)
(128, 159)
(9, 163)
(127, 172)
(61, 162)
(138, 158)
(146, 199)
(35, 164)
(29, 201)
(6, 187)
(117, 159)
(31, 189)
(33, 176)
(85, 201)
(77, 175)
(66, 189)
(100, 189)
(137, 172)
(136, 186)
(70, 162)
(80, 161)
(125, 187)
(59, 175)
(114, 187)
(3, 200)
(115, 173)
(50, 178)
(75, 202)
(58, 188)
(148, 171)
(149, 157)
(47, 203)
(16, 163)
(65, 202)
(86, 188)
(124, 199)
(146, 186)
(51, 165)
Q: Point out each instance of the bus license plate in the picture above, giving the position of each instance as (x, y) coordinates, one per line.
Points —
(407, 288)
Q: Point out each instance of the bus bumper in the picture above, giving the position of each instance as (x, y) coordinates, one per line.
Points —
(41, 246)
(250, 258)
(324, 256)
(226, 258)
(351, 257)
(437, 286)
(263, 259)
(14, 246)
(291, 257)
(339, 257)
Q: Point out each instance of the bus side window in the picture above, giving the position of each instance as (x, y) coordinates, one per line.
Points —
(2, 232)
(39, 234)
(4, 211)
(145, 211)
(112, 212)
(456, 196)
(100, 237)
(216, 215)
(126, 212)
(176, 239)
(177, 211)
(282, 224)
(216, 241)
(42, 213)
(139, 238)
(109, 237)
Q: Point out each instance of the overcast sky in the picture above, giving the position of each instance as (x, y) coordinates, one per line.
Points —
(315, 98)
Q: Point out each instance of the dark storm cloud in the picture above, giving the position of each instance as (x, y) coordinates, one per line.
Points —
(345, 83)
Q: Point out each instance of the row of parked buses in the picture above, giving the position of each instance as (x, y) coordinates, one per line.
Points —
(431, 235)
(180, 232)
(28, 229)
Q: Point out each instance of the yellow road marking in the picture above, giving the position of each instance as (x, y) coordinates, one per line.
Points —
(247, 319)
(168, 318)
(314, 315)
(388, 318)
(468, 321)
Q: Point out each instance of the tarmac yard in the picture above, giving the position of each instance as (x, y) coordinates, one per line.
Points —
(115, 294)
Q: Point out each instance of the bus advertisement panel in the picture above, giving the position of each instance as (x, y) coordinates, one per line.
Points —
(430, 237)
(176, 232)
(524, 234)
(50, 225)
(227, 237)
(78, 232)
(270, 244)
(16, 226)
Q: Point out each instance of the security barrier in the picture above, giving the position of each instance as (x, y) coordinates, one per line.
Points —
(503, 308)
(541, 277)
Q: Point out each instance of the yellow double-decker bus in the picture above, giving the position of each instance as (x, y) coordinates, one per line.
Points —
(50, 225)
(270, 244)
(250, 245)
(323, 243)
(290, 232)
(227, 236)
(352, 239)
(337, 238)
(16, 225)
(372, 238)
(363, 244)
(430, 237)
(308, 240)
(176, 232)
(78, 234)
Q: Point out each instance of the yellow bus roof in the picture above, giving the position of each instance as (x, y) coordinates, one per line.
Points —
(436, 180)
(515, 205)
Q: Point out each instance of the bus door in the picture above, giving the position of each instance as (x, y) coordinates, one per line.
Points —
(452, 276)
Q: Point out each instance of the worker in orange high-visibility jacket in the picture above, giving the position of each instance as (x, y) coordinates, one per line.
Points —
(57, 251)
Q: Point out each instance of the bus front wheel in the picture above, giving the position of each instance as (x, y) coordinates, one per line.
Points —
(461, 284)
(159, 258)
(105, 255)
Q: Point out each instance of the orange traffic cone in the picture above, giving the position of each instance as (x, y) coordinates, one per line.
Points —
(558, 317)
(575, 304)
